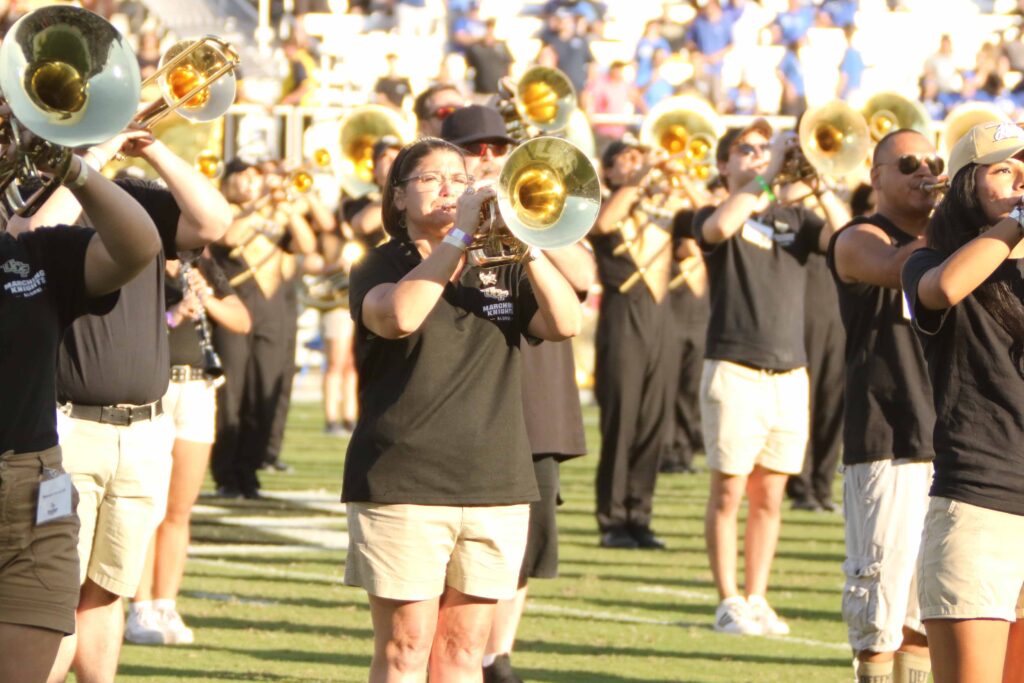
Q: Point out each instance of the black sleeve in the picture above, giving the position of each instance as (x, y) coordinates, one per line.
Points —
(351, 207)
(216, 278)
(682, 224)
(526, 302)
(811, 226)
(920, 262)
(161, 206)
(374, 269)
(60, 254)
(697, 228)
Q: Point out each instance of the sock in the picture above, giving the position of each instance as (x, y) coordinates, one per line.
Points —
(874, 672)
(908, 668)
(164, 605)
(138, 606)
(489, 659)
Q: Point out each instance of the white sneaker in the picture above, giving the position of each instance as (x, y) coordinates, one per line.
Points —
(144, 627)
(766, 616)
(175, 631)
(733, 616)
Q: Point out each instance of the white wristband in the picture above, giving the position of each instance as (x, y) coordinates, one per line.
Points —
(458, 239)
(80, 179)
(93, 159)
(532, 254)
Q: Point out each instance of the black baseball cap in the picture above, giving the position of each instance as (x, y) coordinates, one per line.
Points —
(234, 166)
(384, 144)
(475, 123)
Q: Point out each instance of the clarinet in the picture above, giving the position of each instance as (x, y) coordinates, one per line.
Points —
(213, 370)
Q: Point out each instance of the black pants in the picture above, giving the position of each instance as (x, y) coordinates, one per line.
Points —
(285, 401)
(634, 392)
(685, 360)
(825, 340)
(247, 403)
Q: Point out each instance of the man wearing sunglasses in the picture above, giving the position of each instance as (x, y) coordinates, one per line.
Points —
(434, 105)
(480, 132)
(754, 389)
(887, 439)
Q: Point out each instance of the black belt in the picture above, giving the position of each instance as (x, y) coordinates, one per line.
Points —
(121, 416)
(186, 373)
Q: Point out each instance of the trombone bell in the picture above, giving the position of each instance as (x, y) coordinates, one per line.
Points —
(886, 112)
(196, 80)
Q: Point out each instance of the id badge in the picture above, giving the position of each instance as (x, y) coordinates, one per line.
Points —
(54, 497)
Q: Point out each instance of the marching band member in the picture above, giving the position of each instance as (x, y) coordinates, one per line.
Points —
(887, 437)
(49, 278)
(965, 294)
(437, 474)
(754, 391)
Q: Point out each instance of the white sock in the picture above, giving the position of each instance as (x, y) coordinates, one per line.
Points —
(138, 606)
(489, 659)
(164, 605)
(910, 668)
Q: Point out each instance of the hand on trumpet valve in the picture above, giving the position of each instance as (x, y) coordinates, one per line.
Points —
(470, 207)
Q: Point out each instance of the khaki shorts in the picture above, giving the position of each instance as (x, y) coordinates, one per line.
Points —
(38, 564)
(336, 324)
(753, 417)
(192, 406)
(884, 503)
(122, 475)
(971, 566)
(411, 552)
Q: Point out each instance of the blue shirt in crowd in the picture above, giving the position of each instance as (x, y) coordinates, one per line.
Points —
(841, 12)
(710, 36)
(646, 48)
(853, 66)
(794, 25)
(792, 71)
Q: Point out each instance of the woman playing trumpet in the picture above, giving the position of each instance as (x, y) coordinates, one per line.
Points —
(438, 472)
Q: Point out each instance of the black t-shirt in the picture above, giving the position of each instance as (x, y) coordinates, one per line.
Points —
(888, 395)
(978, 393)
(440, 411)
(573, 56)
(184, 339)
(757, 282)
(350, 208)
(689, 312)
(490, 64)
(551, 400)
(395, 89)
(123, 357)
(42, 289)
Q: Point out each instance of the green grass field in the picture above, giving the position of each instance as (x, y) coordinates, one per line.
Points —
(263, 591)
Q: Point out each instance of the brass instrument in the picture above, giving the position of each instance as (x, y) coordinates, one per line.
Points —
(299, 181)
(548, 197)
(542, 103)
(940, 187)
(687, 129)
(360, 131)
(834, 140)
(196, 80)
(886, 112)
(330, 291)
(70, 79)
(966, 116)
(209, 164)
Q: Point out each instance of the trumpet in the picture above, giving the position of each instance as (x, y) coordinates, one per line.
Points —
(548, 197)
(299, 181)
(940, 187)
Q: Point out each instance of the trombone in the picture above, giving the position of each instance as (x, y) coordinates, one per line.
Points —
(549, 196)
(69, 78)
(886, 112)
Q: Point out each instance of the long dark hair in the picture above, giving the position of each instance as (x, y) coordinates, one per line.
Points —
(957, 220)
(404, 164)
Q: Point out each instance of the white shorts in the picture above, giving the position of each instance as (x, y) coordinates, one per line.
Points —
(971, 564)
(411, 552)
(193, 407)
(336, 324)
(884, 503)
(754, 417)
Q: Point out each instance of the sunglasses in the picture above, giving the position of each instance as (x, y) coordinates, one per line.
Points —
(478, 149)
(441, 113)
(746, 149)
(908, 164)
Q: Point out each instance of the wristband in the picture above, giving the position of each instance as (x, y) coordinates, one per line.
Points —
(766, 188)
(532, 254)
(97, 162)
(458, 239)
(79, 180)
(170, 319)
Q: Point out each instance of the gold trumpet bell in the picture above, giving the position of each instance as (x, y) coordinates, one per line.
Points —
(360, 131)
(69, 76)
(966, 116)
(886, 112)
(834, 138)
(545, 99)
(197, 79)
(548, 193)
(209, 164)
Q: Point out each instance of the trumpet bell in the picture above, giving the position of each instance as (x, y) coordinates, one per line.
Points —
(360, 131)
(886, 112)
(545, 99)
(69, 76)
(548, 193)
(209, 164)
(191, 64)
(834, 138)
(966, 116)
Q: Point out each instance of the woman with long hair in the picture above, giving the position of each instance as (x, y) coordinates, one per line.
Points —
(965, 291)
(439, 474)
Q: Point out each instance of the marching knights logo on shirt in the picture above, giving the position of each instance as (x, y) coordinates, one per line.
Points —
(18, 283)
(765, 236)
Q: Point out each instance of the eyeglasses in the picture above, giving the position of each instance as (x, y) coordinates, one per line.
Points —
(478, 149)
(441, 113)
(746, 149)
(431, 180)
(908, 164)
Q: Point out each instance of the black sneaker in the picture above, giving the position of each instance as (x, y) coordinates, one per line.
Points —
(501, 671)
(277, 466)
(618, 537)
(228, 492)
(806, 504)
(646, 539)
